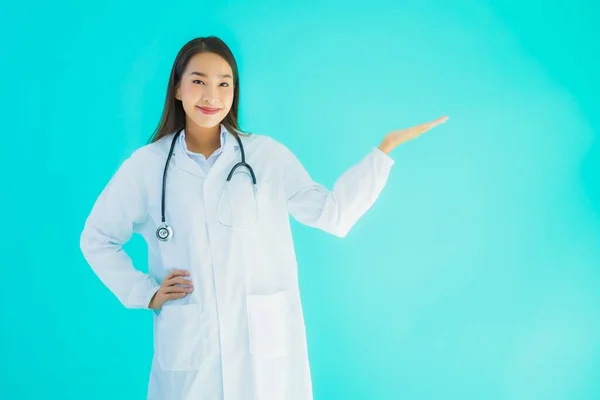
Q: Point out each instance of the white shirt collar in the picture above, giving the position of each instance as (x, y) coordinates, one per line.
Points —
(191, 153)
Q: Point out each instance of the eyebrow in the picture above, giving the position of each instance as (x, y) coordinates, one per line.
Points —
(204, 75)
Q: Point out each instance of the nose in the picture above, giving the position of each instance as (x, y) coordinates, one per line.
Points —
(209, 96)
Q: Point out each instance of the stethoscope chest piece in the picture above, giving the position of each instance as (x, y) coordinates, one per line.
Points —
(164, 233)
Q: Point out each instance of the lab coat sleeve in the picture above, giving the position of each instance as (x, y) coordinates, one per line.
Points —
(117, 211)
(335, 211)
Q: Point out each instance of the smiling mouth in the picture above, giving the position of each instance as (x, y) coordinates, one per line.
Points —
(208, 110)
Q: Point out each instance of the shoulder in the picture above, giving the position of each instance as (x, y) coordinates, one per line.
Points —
(264, 142)
(150, 154)
(145, 160)
(152, 151)
(255, 140)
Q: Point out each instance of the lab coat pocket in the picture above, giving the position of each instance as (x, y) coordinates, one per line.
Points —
(268, 324)
(241, 203)
(179, 341)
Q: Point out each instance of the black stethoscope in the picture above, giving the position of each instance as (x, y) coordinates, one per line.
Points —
(164, 232)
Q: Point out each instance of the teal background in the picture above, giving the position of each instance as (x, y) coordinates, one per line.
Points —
(475, 276)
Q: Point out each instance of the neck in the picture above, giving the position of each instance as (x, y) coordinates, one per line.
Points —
(202, 140)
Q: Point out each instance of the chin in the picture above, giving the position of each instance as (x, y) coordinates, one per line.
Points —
(209, 121)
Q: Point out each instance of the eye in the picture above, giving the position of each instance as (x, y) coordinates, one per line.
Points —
(197, 81)
(225, 84)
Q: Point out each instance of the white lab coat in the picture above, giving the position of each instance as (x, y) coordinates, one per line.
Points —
(240, 335)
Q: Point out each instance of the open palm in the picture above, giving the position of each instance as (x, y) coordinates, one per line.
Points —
(400, 136)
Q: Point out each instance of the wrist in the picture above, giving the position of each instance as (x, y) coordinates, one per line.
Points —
(386, 146)
(152, 302)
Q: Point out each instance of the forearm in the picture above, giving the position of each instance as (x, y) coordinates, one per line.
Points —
(386, 145)
(354, 192)
(115, 269)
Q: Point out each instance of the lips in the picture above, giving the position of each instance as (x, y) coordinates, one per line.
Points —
(208, 110)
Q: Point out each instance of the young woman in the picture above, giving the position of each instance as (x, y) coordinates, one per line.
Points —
(213, 205)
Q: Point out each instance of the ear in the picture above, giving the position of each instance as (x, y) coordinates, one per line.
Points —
(177, 94)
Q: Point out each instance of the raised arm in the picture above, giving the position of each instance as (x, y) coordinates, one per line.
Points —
(337, 210)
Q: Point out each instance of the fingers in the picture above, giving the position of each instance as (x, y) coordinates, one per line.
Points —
(176, 284)
(174, 296)
(177, 272)
(178, 281)
(174, 292)
(177, 289)
(178, 276)
(435, 122)
(422, 128)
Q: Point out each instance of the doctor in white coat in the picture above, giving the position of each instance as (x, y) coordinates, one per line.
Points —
(228, 322)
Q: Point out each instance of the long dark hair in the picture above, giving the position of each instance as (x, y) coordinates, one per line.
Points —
(173, 115)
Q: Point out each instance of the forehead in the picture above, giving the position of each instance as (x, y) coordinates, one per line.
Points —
(208, 63)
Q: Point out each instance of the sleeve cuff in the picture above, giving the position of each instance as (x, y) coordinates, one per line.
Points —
(151, 293)
(386, 160)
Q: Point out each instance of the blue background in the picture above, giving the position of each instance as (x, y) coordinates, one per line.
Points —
(475, 276)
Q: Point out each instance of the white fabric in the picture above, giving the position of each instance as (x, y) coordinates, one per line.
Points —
(204, 163)
(240, 335)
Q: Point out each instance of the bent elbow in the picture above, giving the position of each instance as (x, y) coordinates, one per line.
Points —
(338, 227)
(341, 230)
(93, 244)
(84, 241)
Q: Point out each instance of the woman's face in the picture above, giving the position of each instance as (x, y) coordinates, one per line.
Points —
(206, 89)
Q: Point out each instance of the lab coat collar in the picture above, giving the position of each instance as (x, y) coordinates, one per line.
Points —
(181, 160)
(183, 145)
